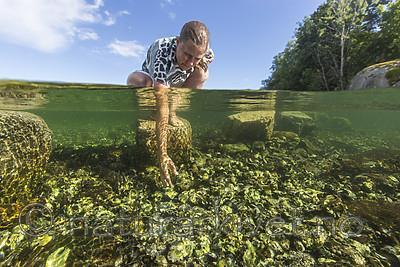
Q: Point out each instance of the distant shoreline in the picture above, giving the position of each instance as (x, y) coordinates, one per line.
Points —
(22, 84)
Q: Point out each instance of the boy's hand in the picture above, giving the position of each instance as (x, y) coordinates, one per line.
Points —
(166, 164)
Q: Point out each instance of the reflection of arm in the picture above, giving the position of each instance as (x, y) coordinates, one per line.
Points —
(161, 93)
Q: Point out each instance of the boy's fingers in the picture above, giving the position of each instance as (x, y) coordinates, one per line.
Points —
(164, 173)
(170, 183)
(166, 165)
(167, 181)
(173, 168)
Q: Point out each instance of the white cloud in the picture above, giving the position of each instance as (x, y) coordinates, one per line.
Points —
(166, 2)
(126, 48)
(47, 25)
(171, 15)
(124, 12)
(112, 19)
(87, 34)
(98, 3)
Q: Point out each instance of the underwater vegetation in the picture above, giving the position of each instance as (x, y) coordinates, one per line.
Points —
(276, 188)
(288, 201)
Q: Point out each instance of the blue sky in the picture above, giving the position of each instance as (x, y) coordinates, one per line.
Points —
(102, 41)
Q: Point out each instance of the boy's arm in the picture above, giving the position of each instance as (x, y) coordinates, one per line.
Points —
(161, 93)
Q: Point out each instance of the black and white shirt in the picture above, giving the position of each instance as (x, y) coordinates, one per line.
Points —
(162, 66)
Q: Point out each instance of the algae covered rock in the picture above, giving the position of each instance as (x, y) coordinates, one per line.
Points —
(179, 138)
(16, 99)
(374, 211)
(333, 123)
(382, 75)
(286, 135)
(25, 147)
(295, 121)
(235, 148)
(251, 125)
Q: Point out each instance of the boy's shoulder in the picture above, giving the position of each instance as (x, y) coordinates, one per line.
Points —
(165, 41)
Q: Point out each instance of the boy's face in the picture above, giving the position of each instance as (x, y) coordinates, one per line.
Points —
(188, 54)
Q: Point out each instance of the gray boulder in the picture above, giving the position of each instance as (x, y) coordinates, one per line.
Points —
(382, 75)
(25, 147)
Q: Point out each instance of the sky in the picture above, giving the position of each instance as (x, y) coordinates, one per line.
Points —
(102, 41)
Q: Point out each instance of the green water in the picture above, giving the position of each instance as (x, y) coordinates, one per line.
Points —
(88, 112)
(322, 190)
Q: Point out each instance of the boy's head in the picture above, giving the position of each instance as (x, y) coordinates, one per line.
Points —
(192, 44)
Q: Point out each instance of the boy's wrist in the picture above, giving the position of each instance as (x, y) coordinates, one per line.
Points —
(162, 152)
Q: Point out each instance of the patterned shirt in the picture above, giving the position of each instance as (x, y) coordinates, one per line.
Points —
(162, 66)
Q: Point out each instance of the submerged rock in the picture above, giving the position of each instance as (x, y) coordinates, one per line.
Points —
(333, 123)
(377, 212)
(295, 121)
(251, 125)
(14, 99)
(287, 135)
(235, 148)
(179, 138)
(382, 75)
(25, 147)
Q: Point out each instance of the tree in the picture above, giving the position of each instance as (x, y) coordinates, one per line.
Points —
(344, 16)
(339, 39)
(390, 31)
(285, 65)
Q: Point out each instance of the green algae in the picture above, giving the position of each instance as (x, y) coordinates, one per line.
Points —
(251, 207)
(291, 200)
(393, 76)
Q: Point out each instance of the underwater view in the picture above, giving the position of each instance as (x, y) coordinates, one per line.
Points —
(266, 178)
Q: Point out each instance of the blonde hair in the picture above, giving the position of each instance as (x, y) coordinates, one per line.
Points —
(195, 31)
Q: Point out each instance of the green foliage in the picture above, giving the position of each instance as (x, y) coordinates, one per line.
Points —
(58, 258)
(390, 31)
(284, 66)
(334, 43)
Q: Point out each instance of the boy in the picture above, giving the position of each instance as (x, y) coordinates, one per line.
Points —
(177, 61)
(174, 62)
